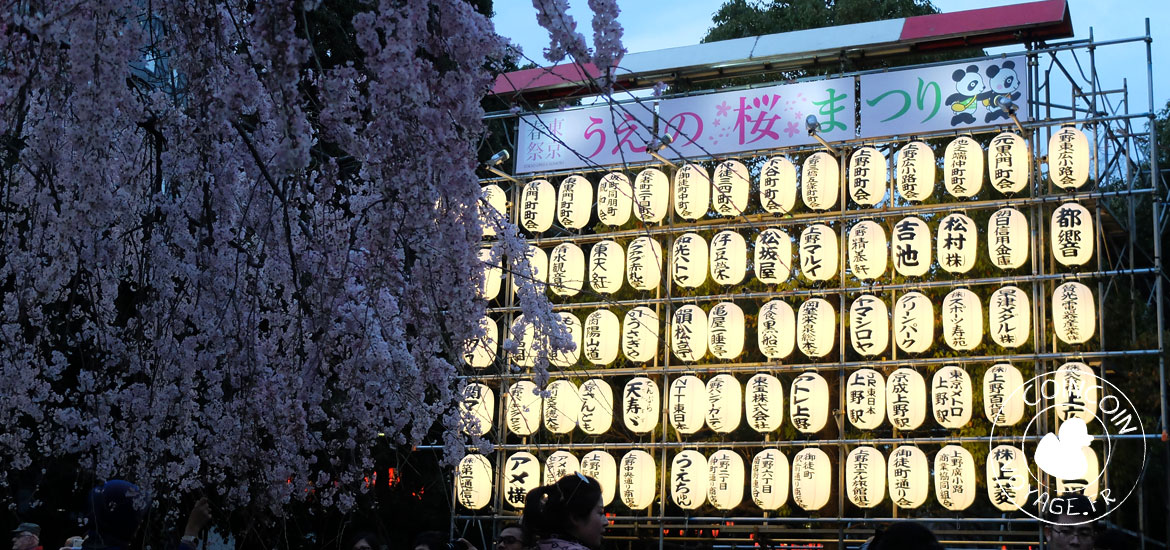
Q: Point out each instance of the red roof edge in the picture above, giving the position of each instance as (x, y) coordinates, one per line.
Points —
(540, 77)
(1048, 18)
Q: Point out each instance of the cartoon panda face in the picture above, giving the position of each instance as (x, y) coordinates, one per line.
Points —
(1003, 79)
(968, 82)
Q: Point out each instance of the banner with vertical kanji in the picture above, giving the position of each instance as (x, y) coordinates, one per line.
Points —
(590, 137)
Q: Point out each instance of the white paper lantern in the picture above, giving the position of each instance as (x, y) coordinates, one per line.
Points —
(536, 272)
(574, 202)
(1071, 234)
(867, 176)
(867, 250)
(607, 267)
(910, 247)
(1074, 313)
(725, 479)
(809, 409)
(865, 477)
(473, 482)
(562, 407)
(688, 333)
(908, 474)
(954, 478)
(478, 409)
(492, 209)
(729, 188)
(820, 178)
(1008, 163)
(778, 186)
(776, 329)
(724, 399)
(906, 400)
(763, 401)
(522, 405)
(521, 474)
(640, 405)
(816, 327)
(596, 407)
(950, 392)
(480, 353)
(1087, 484)
(728, 258)
(1076, 392)
(566, 269)
(865, 399)
(565, 359)
(958, 243)
(769, 484)
(963, 167)
(962, 320)
(651, 195)
(601, 339)
(1007, 478)
(692, 192)
(524, 355)
(686, 404)
(812, 479)
(913, 322)
(1003, 398)
(644, 263)
(1009, 317)
(636, 480)
(869, 325)
(601, 466)
(914, 173)
(818, 252)
(1008, 238)
(688, 260)
(688, 480)
(725, 330)
(493, 274)
(537, 205)
(1068, 158)
(773, 256)
(558, 465)
(615, 199)
(640, 334)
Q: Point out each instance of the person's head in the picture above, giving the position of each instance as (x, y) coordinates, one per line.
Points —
(26, 536)
(906, 535)
(570, 508)
(364, 540)
(1067, 528)
(511, 538)
(114, 513)
(430, 540)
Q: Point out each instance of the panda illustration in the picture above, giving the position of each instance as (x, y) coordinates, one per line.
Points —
(968, 88)
(1002, 82)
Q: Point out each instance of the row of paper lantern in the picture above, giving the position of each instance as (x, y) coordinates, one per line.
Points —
(725, 258)
(811, 328)
(646, 198)
(722, 404)
(721, 478)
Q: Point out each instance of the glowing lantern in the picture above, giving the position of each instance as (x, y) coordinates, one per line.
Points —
(910, 247)
(606, 267)
(615, 199)
(1076, 392)
(566, 270)
(963, 167)
(725, 330)
(865, 399)
(867, 250)
(688, 333)
(596, 407)
(692, 192)
(1009, 317)
(954, 478)
(865, 476)
(725, 480)
(644, 263)
(773, 256)
(778, 186)
(492, 214)
(601, 337)
(601, 466)
(1068, 158)
(537, 204)
(729, 193)
(820, 181)
(763, 399)
(914, 173)
(867, 176)
(950, 391)
(962, 320)
(869, 325)
(522, 406)
(493, 274)
(565, 359)
(1003, 396)
(1007, 478)
(640, 405)
(816, 325)
(688, 260)
(637, 479)
(473, 482)
(818, 252)
(1007, 238)
(1072, 234)
(536, 273)
(686, 404)
(906, 399)
(562, 407)
(523, 475)
(776, 329)
(1008, 163)
(769, 483)
(723, 403)
(558, 465)
(728, 258)
(957, 243)
(809, 403)
(812, 479)
(651, 195)
(480, 353)
(908, 473)
(688, 479)
(1074, 314)
(478, 409)
(525, 353)
(913, 322)
(574, 202)
(1087, 484)
(640, 334)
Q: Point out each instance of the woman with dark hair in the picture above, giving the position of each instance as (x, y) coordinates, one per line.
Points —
(364, 540)
(567, 515)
